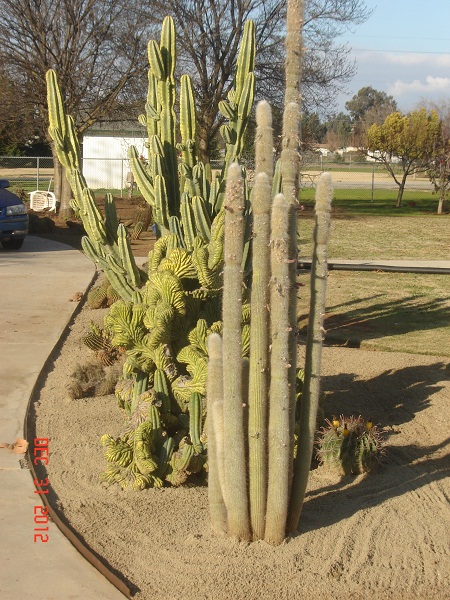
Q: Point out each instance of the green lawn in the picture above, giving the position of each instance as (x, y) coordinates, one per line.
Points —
(358, 201)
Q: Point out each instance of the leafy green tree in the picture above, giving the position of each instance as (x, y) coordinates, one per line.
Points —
(313, 130)
(367, 107)
(369, 101)
(411, 139)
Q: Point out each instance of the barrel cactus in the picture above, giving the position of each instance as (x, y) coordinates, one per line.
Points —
(350, 445)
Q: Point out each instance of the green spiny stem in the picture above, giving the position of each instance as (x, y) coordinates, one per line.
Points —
(264, 140)
(311, 385)
(140, 386)
(280, 455)
(246, 58)
(235, 461)
(216, 485)
(187, 119)
(290, 160)
(195, 421)
(161, 387)
(259, 332)
(55, 103)
(168, 46)
(259, 359)
(142, 177)
(111, 220)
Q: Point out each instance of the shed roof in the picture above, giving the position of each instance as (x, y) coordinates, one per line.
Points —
(116, 129)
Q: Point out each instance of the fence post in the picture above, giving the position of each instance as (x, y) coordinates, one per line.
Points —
(37, 173)
(373, 179)
(121, 178)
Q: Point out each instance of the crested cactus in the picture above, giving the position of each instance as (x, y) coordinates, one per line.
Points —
(162, 318)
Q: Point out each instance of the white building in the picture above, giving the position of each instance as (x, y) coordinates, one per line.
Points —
(105, 153)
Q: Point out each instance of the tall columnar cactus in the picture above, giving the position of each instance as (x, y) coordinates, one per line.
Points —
(106, 242)
(186, 203)
(269, 505)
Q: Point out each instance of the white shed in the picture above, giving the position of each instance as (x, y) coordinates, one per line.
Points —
(105, 153)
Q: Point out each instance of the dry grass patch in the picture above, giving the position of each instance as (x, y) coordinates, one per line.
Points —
(399, 312)
(387, 238)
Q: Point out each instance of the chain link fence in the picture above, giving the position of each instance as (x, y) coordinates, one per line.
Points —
(27, 174)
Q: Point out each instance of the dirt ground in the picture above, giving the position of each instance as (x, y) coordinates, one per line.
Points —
(383, 535)
(71, 231)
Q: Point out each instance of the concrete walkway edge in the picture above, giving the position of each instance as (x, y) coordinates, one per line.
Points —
(35, 312)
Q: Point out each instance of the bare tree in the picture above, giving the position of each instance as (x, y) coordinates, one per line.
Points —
(16, 120)
(96, 47)
(210, 31)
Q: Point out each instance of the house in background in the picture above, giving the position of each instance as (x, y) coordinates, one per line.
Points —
(105, 153)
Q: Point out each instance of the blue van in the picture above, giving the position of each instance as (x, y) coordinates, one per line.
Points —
(13, 218)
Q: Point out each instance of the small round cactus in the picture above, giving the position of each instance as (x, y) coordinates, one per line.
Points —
(350, 445)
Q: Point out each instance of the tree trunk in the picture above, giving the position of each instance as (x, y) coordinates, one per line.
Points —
(203, 144)
(443, 181)
(401, 189)
(441, 201)
(62, 188)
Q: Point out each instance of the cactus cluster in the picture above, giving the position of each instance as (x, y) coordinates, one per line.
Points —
(350, 445)
(92, 379)
(186, 199)
(163, 316)
(257, 480)
(102, 295)
(185, 324)
(254, 482)
(99, 341)
(146, 456)
(107, 242)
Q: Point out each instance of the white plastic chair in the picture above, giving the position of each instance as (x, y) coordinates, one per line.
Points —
(40, 200)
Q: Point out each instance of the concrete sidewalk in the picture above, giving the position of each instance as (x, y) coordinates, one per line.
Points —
(396, 266)
(36, 284)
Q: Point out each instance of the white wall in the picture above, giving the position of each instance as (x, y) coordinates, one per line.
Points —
(105, 160)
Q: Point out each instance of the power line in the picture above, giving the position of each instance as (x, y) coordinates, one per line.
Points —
(400, 51)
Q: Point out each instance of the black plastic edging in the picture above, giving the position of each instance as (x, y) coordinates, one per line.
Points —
(388, 268)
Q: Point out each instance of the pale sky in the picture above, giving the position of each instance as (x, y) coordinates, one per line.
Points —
(403, 49)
